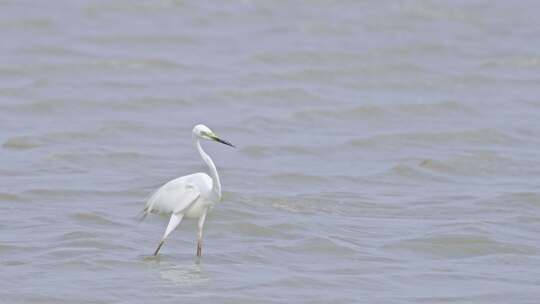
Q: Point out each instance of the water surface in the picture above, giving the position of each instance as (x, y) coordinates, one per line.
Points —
(387, 152)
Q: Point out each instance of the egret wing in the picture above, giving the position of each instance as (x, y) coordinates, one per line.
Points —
(173, 197)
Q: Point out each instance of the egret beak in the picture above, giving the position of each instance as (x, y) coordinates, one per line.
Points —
(219, 140)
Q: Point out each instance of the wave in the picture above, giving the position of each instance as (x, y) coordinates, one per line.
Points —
(460, 246)
(462, 137)
(375, 112)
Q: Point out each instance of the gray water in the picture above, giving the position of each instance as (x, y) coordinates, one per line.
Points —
(388, 152)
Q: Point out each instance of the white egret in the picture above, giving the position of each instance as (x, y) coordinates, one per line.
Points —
(190, 196)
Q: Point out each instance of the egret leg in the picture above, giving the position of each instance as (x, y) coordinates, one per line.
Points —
(200, 234)
(173, 222)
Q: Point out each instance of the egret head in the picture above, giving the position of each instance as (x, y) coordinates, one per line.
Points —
(203, 131)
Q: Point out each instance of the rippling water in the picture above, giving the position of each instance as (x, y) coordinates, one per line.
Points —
(387, 152)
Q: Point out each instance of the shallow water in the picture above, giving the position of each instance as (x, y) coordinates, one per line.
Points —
(387, 152)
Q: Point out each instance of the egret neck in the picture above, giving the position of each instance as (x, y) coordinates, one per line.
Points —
(211, 167)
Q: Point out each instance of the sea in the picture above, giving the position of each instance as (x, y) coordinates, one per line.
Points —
(386, 151)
